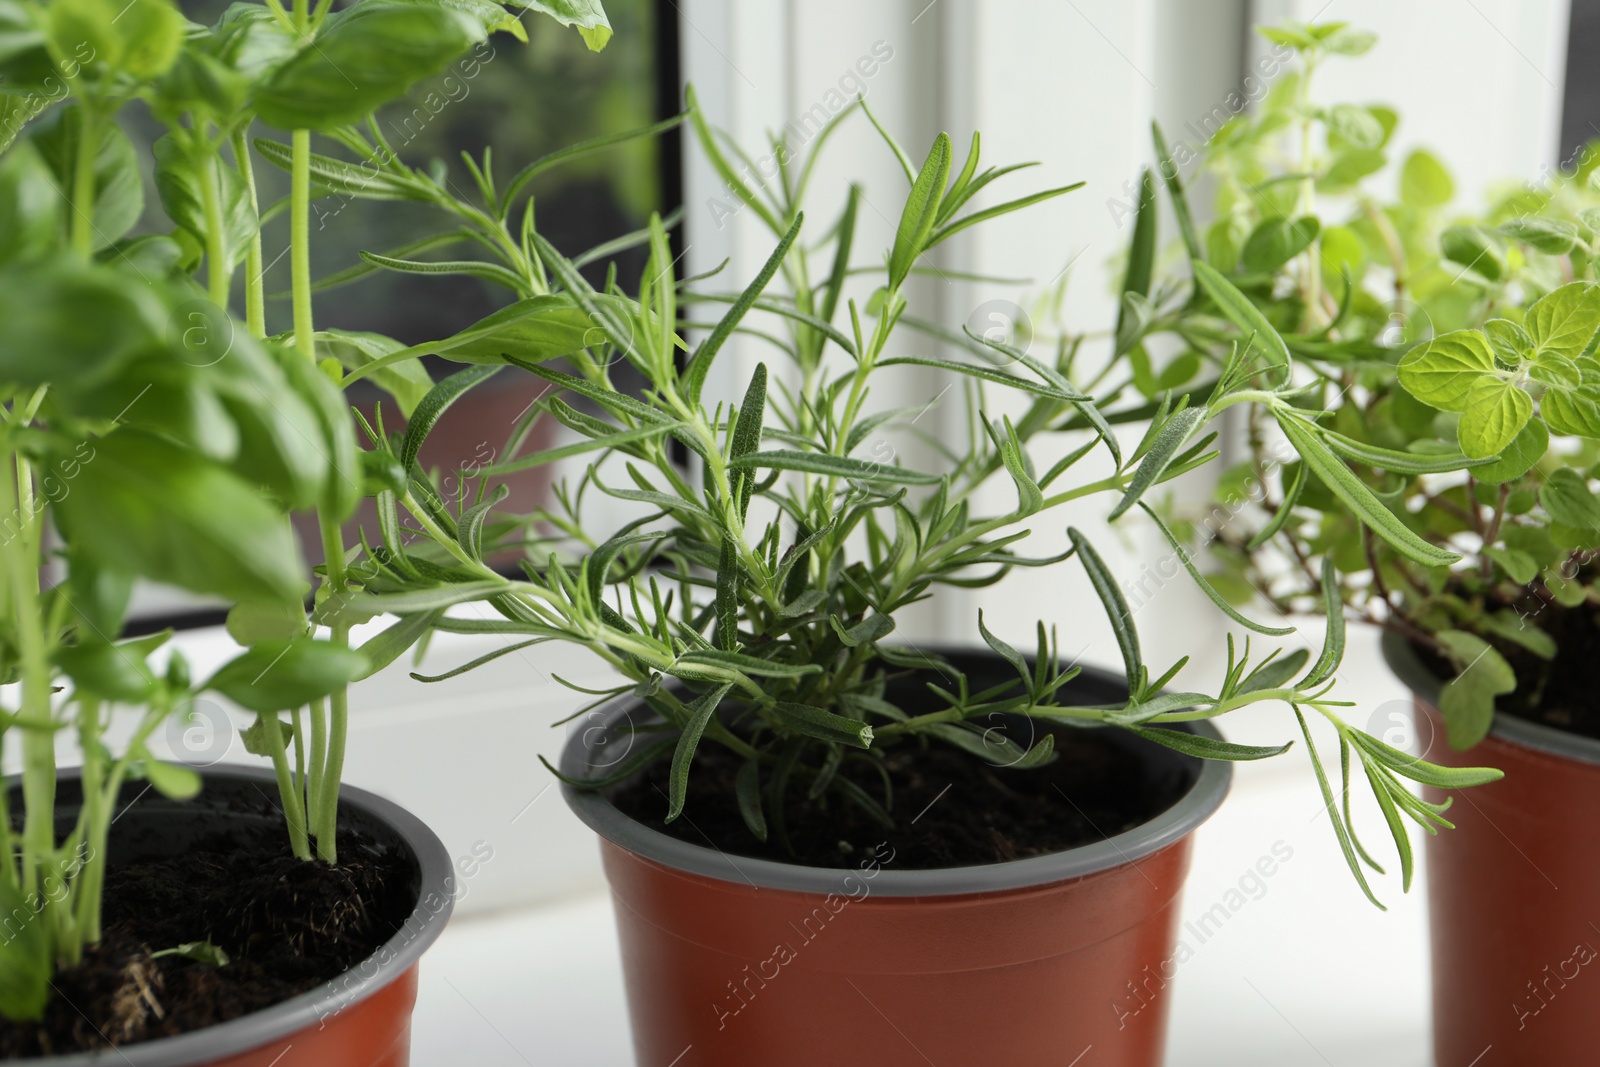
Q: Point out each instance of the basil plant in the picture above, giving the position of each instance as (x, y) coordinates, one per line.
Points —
(148, 434)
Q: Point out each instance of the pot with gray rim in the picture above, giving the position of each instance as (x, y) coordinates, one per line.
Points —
(1513, 890)
(736, 960)
(360, 1019)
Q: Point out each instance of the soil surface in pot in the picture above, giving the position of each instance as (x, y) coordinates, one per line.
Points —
(950, 808)
(286, 925)
(1559, 692)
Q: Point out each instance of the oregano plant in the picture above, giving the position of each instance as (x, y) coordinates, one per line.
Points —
(1420, 398)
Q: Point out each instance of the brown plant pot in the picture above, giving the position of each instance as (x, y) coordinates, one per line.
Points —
(360, 1019)
(1054, 960)
(1513, 892)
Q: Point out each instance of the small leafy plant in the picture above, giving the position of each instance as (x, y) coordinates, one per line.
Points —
(147, 434)
(753, 601)
(1423, 396)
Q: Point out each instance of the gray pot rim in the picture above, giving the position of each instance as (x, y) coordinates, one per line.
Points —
(1206, 793)
(1407, 665)
(395, 957)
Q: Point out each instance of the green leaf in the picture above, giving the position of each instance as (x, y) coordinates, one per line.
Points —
(335, 447)
(363, 57)
(1116, 608)
(1424, 182)
(115, 672)
(1340, 830)
(1467, 701)
(171, 780)
(1420, 770)
(386, 646)
(747, 787)
(250, 622)
(25, 965)
(1496, 410)
(1564, 320)
(119, 191)
(1568, 500)
(1163, 450)
(1476, 248)
(407, 381)
(529, 331)
(1304, 437)
(1442, 371)
(1553, 237)
(1180, 202)
(470, 268)
(586, 16)
(694, 375)
(1142, 249)
(360, 607)
(181, 177)
(141, 40)
(948, 231)
(1206, 747)
(1350, 166)
(1205, 587)
(1276, 241)
(1402, 462)
(279, 675)
(1275, 673)
(823, 725)
(435, 404)
(1519, 566)
(747, 433)
(871, 628)
(148, 507)
(30, 205)
(255, 737)
(989, 374)
(832, 466)
(1575, 412)
(585, 148)
(1518, 457)
(1348, 41)
(700, 712)
(1237, 309)
(920, 212)
(1354, 125)
(198, 951)
(735, 661)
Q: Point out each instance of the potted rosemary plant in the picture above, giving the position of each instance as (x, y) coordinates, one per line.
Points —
(809, 825)
(147, 434)
(1447, 364)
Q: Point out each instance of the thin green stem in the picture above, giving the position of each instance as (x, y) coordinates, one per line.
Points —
(255, 286)
(300, 240)
(83, 181)
(219, 274)
(38, 738)
(317, 716)
(94, 822)
(294, 812)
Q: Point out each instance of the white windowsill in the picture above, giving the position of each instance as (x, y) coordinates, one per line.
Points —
(1287, 980)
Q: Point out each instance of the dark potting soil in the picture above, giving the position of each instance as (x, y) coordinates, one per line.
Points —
(1563, 692)
(286, 925)
(950, 808)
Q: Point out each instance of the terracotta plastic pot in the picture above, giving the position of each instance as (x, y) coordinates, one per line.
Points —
(363, 1018)
(1514, 893)
(1055, 960)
